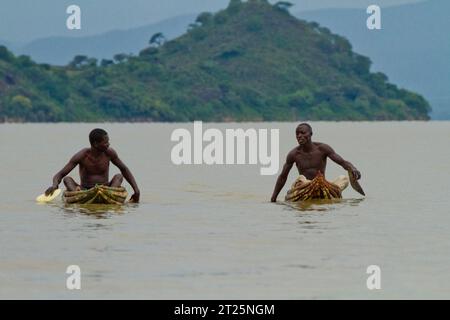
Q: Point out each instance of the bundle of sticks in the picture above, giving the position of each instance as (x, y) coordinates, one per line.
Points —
(318, 188)
(97, 194)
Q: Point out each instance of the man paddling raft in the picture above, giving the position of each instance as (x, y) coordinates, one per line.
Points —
(311, 161)
(94, 169)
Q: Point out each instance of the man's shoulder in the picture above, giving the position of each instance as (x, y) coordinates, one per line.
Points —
(82, 152)
(111, 153)
(323, 147)
(294, 151)
(292, 154)
(80, 155)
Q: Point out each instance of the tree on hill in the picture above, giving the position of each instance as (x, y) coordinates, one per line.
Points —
(5, 54)
(233, 7)
(121, 57)
(204, 18)
(92, 62)
(78, 61)
(106, 62)
(193, 26)
(283, 5)
(157, 40)
(234, 3)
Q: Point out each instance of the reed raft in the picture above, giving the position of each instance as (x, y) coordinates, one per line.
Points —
(318, 188)
(99, 195)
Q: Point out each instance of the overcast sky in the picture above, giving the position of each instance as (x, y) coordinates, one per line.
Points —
(26, 20)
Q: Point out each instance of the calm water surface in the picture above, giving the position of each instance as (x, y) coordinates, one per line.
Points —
(208, 232)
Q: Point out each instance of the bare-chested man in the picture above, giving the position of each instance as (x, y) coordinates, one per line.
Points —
(94, 167)
(310, 158)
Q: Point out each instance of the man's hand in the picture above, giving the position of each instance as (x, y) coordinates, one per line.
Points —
(356, 173)
(50, 190)
(135, 197)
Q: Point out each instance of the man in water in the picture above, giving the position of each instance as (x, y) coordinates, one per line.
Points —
(310, 159)
(94, 167)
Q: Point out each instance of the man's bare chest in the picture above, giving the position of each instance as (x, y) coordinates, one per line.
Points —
(95, 165)
(307, 160)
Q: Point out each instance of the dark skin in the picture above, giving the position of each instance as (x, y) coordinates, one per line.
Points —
(310, 158)
(94, 169)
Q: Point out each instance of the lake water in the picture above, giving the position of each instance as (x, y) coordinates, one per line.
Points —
(210, 232)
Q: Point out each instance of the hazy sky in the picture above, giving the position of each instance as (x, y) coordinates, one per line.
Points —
(25, 20)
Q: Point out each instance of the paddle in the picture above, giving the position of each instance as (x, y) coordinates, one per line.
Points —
(355, 184)
(45, 199)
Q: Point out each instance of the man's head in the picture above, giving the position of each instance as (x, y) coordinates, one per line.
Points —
(99, 139)
(303, 132)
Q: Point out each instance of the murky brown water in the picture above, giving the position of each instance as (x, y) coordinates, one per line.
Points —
(210, 231)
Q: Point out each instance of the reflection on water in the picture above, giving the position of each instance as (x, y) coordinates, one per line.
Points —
(300, 266)
(310, 212)
(322, 204)
(99, 211)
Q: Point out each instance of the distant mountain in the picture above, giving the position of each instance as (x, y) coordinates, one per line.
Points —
(8, 44)
(252, 61)
(413, 47)
(61, 50)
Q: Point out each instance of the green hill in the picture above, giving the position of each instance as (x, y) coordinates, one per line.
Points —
(252, 61)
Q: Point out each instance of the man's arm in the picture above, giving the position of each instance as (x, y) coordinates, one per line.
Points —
(126, 173)
(282, 178)
(340, 161)
(73, 162)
